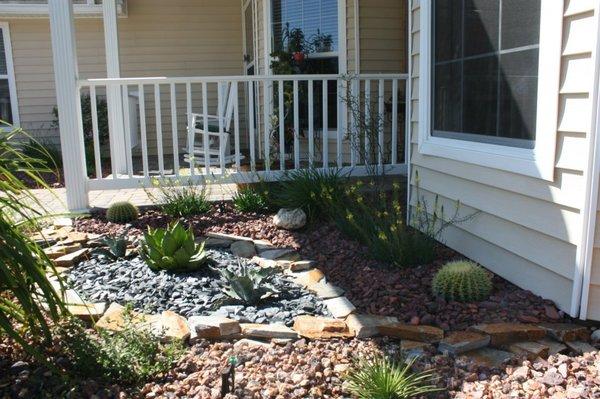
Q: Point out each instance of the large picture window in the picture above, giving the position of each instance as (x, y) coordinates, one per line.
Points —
(484, 78)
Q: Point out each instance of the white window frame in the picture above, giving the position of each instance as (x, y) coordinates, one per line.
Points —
(10, 74)
(537, 162)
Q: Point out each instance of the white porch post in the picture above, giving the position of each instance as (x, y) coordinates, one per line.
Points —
(62, 31)
(114, 99)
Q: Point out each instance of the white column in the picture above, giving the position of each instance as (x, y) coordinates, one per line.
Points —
(114, 98)
(62, 31)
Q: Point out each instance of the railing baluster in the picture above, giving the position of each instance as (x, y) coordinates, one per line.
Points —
(206, 141)
(236, 123)
(325, 126)
(380, 123)
(267, 125)
(96, 137)
(367, 121)
(174, 130)
(394, 121)
(159, 135)
(127, 130)
(191, 129)
(143, 132)
(252, 110)
(220, 114)
(311, 124)
(296, 127)
(281, 127)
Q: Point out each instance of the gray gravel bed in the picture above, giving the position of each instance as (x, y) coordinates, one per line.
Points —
(188, 294)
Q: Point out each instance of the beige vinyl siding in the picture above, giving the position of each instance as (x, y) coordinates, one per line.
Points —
(525, 229)
(157, 38)
(383, 27)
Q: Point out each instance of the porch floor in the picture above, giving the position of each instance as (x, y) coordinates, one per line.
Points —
(55, 201)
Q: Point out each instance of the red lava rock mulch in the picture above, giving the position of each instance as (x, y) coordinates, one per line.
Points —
(372, 287)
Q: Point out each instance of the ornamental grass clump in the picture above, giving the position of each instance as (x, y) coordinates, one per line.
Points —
(122, 212)
(309, 189)
(250, 199)
(462, 281)
(179, 200)
(376, 218)
(381, 378)
(173, 249)
(28, 301)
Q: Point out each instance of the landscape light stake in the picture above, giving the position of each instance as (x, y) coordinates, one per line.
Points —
(228, 377)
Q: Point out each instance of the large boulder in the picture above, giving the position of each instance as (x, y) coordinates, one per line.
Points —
(290, 219)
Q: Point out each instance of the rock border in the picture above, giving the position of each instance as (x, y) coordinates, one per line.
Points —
(490, 345)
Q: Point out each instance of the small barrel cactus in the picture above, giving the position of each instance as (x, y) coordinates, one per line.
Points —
(462, 281)
(121, 212)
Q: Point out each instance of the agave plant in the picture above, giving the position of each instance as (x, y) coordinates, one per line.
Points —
(249, 286)
(173, 249)
(27, 299)
(114, 247)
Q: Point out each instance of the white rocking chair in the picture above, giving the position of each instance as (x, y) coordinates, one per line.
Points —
(196, 136)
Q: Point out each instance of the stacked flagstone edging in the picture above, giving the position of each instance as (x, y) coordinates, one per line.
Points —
(487, 344)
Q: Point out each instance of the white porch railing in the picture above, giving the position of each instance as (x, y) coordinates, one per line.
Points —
(279, 123)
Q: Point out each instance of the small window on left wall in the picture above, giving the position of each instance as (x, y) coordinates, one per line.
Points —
(8, 100)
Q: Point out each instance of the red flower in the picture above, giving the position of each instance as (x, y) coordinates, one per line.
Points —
(299, 57)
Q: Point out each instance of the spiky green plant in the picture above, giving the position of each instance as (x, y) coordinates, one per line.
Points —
(179, 199)
(173, 249)
(462, 281)
(308, 189)
(114, 247)
(27, 299)
(384, 379)
(250, 200)
(249, 286)
(122, 212)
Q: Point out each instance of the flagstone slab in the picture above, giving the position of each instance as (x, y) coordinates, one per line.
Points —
(531, 350)
(321, 327)
(458, 342)
(223, 236)
(115, 319)
(201, 331)
(340, 307)
(554, 347)
(580, 347)
(251, 343)
(169, 325)
(410, 332)
(489, 357)
(267, 331)
(280, 254)
(88, 312)
(226, 326)
(72, 258)
(58, 250)
(365, 325)
(411, 349)
(308, 278)
(505, 333)
(212, 242)
(325, 290)
(243, 249)
(301, 265)
(565, 332)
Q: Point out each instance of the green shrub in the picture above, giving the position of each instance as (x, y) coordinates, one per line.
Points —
(131, 356)
(250, 286)
(462, 281)
(384, 379)
(249, 199)
(122, 212)
(310, 189)
(173, 249)
(179, 201)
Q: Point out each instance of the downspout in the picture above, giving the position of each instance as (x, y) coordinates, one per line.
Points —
(408, 116)
(581, 286)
